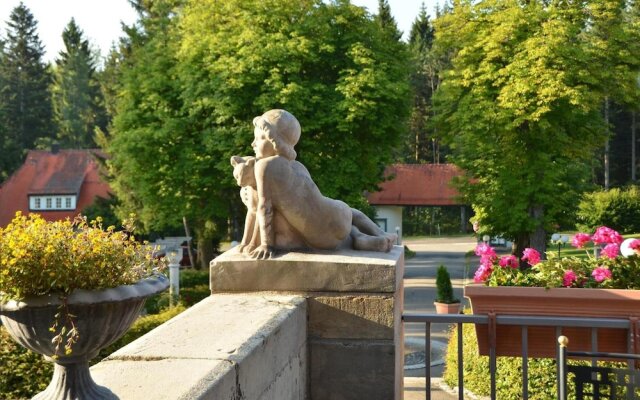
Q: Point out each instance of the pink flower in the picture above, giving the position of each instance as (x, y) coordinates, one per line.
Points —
(635, 244)
(606, 235)
(509, 261)
(483, 273)
(580, 239)
(483, 249)
(601, 273)
(531, 256)
(610, 251)
(569, 278)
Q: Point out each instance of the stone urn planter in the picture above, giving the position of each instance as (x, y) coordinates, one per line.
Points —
(101, 317)
(559, 302)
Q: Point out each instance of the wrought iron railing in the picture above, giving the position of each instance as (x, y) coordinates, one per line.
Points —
(524, 322)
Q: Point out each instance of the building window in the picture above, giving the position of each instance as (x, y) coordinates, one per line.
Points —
(48, 201)
(58, 202)
(38, 203)
(67, 202)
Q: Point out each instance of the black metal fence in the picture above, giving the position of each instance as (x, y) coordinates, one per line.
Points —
(525, 322)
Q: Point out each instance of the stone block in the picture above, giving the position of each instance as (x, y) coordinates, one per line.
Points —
(170, 379)
(351, 317)
(352, 370)
(228, 346)
(340, 271)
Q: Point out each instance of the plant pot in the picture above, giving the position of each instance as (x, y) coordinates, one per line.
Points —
(446, 308)
(101, 317)
(560, 302)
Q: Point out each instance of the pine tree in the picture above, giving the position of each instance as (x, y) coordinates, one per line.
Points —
(75, 91)
(24, 97)
(386, 20)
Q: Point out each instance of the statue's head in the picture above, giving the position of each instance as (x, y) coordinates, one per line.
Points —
(283, 131)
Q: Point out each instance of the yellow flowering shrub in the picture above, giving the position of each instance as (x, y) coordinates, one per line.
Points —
(39, 257)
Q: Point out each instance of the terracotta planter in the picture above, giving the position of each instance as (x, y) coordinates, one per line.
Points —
(444, 308)
(101, 318)
(561, 302)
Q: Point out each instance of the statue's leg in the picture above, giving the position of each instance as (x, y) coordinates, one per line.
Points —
(366, 226)
(362, 241)
(249, 223)
(255, 236)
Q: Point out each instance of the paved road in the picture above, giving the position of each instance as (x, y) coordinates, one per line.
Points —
(420, 291)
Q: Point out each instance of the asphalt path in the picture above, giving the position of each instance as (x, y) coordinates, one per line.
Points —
(420, 292)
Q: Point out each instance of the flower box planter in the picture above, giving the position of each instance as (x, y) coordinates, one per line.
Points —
(560, 302)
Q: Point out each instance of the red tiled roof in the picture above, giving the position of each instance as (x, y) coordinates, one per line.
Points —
(418, 185)
(65, 172)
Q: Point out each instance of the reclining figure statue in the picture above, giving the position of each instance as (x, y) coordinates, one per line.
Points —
(285, 209)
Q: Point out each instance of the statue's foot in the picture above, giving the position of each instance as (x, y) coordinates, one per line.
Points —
(247, 249)
(392, 239)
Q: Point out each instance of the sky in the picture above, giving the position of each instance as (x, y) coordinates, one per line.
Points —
(100, 19)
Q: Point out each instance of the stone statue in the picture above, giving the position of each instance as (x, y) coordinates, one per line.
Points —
(285, 209)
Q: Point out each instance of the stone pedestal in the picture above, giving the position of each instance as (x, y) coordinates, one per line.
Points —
(354, 321)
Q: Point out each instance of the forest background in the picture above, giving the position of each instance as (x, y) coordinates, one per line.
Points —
(536, 101)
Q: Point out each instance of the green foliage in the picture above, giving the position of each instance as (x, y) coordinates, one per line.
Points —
(196, 74)
(625, 273)
(23, 373)
(444, 290)
(542, 371)
(615, 208)
(520, 109)
(418, 221)
(25, 103)
(142, 326)
(194, 286)
(75, 91)
(191, 277)
(38, 257)
(422, 145)
(103, 208)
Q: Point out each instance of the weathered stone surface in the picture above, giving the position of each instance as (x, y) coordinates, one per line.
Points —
(351, 317)
(352, 370)
(342, 271)
(225, 347)
(183, 379)
(285, 209)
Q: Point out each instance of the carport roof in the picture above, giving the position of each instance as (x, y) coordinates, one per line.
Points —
(418, 185)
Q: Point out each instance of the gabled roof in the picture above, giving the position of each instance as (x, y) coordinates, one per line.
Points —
(70, 172)
(61, 173)
(418, 185)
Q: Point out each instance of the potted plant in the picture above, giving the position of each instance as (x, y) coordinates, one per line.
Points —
(570, 286)
(70, 288)
(445, 302)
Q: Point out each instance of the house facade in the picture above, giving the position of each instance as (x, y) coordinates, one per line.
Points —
(55, 184)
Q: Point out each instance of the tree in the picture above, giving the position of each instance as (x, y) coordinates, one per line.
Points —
(520, 108)
(612, 40)
(424, 80)
(386, 20)
(75, 91)
(198, 75)
(25, 102)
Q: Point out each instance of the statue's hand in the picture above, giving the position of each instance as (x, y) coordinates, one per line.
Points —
(262, 252)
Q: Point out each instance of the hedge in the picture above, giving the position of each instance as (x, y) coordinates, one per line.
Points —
(615, 208)
(23, 373)
(542, 371)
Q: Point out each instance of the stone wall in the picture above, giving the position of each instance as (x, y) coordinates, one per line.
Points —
(354, 324)
(227, 347)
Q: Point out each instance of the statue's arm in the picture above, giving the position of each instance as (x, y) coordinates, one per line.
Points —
(264, 213)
